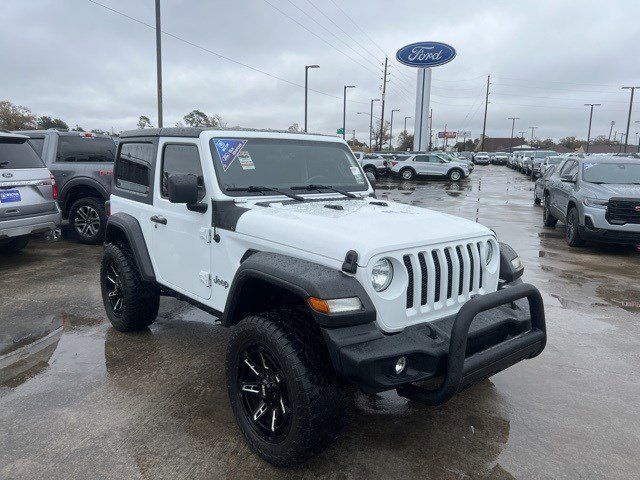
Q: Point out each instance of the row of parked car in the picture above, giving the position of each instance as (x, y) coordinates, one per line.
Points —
(409, 165)
(49, 175)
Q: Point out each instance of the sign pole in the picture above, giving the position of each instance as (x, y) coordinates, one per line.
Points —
(423, 97)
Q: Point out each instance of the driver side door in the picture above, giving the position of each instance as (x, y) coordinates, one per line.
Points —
(181, 250)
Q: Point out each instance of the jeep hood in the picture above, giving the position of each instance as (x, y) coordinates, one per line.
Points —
(319, 226)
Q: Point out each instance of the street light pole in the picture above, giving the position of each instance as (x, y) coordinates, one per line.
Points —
(513, 126)
(371, 123)
(590, 105)
(344, 110)
(391, 129)
(626, 137)
(159, 62)
(306, 91)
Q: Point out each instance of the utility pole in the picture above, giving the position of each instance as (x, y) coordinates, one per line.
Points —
(532, 129)
(484, 123)
(626, 137)
(638, 133)
(159, 62)
(344, 110)
(391, 129)
(371, 123)
(513, 126)
(613, 122)
(384, 94)
(306, 91)
(445, 137)
(591, 105)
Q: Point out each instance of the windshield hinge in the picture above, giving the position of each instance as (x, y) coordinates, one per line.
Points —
(205, 277)
(206, 234)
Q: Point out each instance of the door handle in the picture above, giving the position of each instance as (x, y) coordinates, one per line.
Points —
(158, 219)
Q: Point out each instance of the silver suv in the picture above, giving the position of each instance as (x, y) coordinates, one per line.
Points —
(432, 164)
(28, 194)
(597, 198)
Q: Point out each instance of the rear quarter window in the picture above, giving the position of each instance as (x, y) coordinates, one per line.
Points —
(132, 167)
(18, 153)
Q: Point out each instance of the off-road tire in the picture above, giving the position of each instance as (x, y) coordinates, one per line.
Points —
(455, 175)
(140, 300)
(93, 206)
(14, 245)
(547, 218)
(373, 171)
(407, 173)
(317, 402)
(572, 229)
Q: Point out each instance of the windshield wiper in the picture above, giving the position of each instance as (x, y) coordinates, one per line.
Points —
(263, 190)
(325, 187)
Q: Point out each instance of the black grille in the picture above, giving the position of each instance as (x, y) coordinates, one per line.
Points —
(407, 263)
(480, 269)
(436, 262)
(461, 280)
(447, 255)
(425, 276)
(622, 211)
(471, 267)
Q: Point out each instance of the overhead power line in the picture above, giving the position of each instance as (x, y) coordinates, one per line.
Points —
(217, 54)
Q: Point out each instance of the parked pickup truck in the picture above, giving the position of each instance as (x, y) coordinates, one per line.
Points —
(373, 163)
(28, 195)
(597, 198)
(82, 164)
(280, 236)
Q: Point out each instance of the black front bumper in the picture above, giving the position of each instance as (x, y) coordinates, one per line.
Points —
(602, 235)
(490, 333)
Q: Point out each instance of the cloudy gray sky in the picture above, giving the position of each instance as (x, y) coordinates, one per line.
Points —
(88, 65)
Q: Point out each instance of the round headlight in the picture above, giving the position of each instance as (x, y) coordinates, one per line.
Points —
(381, 274)
(488, 253)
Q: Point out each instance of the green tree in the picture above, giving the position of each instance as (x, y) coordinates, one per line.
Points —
(16, 117)
(547, 144)
(572, 142)
(77, 129)
(197, 118)
(144, 122)
(405, 142)
(44, 122)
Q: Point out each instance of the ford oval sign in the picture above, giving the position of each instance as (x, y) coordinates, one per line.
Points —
(426, 54)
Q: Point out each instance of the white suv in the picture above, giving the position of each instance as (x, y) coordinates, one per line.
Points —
(431, 164)
(280, 236)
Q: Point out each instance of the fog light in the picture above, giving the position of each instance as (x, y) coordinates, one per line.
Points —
(401, 364)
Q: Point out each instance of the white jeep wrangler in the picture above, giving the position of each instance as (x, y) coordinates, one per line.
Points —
(281, 237)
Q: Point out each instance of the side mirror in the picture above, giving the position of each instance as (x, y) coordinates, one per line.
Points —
(567, 177)
(183, 188)
(372, 180)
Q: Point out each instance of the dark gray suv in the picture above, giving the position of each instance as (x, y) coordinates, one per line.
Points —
(82, 164)
(597, 198)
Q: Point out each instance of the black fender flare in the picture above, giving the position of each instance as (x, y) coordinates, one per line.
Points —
(122, 224)
(304, 279)
(82, 182)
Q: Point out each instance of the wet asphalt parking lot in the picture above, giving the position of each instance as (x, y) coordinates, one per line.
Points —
(95, 403)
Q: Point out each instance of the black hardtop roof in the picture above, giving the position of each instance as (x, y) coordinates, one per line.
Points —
(194, 132)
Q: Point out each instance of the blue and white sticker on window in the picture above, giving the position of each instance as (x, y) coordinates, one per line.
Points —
(228, 150)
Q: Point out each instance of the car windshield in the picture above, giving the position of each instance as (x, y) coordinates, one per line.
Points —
(624, 173)
(18, 153)
(283, 163)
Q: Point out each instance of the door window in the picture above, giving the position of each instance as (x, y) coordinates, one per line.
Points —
(570, 169)
(421, 158)
(435, 159)
(182, 159)
(131, 170)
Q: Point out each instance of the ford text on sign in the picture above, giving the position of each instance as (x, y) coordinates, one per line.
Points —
(426, 54)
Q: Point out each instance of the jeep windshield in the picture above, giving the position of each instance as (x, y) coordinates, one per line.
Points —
(280, 164)
(623, 173)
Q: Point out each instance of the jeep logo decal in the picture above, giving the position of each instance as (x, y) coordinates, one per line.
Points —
(7, 175)
(222, 283)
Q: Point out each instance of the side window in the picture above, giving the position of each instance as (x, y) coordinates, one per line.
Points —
(421, 158)
(181, 158)
(434, 159)
(131, 170)
(570, 168)
(549, 171)
(38, 145)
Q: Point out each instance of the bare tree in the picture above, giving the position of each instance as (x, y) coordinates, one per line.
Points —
(15, 117)
(294, 128)
(144, 122)
(197, 118)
